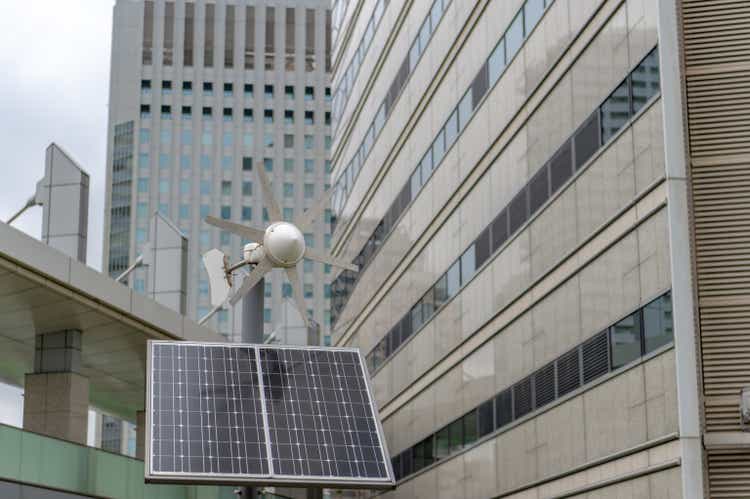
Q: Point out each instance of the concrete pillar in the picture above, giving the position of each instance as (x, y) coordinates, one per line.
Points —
(166, 258)
(64, 195)
(684, 309)
(56, 396)
(140, 434)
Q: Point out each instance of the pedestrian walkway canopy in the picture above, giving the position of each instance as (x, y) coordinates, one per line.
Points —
(43, 290)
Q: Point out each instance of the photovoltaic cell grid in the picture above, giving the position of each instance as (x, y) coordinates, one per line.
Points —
(206, 414)
(319, 415)
(213, 416)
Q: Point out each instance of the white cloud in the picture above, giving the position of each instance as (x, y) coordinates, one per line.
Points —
(55, 56)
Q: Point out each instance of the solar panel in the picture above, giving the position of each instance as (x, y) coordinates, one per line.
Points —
(261, 414)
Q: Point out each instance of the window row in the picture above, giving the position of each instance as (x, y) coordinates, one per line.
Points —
(227, 163)
(596, 131)
(342, 92)
(234, 30)
(349, 174)
(527, 17)
(228, 139)
(640, 333)
(228, 114)
(248, 90)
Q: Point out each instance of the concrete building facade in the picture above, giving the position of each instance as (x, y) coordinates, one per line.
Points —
(544, 199)
(201, 94)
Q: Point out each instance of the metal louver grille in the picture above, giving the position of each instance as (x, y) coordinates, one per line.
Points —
(544, 385)
(595, 357)
(717, 56)
(716, 42)
(729, 473)
(522, 402)
(568, 372)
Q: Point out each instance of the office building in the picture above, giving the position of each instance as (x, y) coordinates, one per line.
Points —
(547, 202)
(201, 94)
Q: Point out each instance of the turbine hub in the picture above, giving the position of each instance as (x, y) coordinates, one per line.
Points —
(284, 244)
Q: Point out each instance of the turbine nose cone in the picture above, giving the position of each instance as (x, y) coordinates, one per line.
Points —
(284, 244)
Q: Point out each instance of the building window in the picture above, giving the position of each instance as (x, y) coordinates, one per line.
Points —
(247, 213)
(267, 140)
(187, 112)
(229, 38)
(226, 188)
(148, 33)
(309, 165)
(145, 87)
(309, 40)
(268, 116)
(226, 212)
(288, 189)
(145, 111)
(166, 87)
(205, 187)
(268, 164)
(247, 164)
(309, 142)
(288, 117)
(208, 30)
(288, 141)
(227, 114)
(268, 91)
(208, 88)
(289, 92)
(249, 37)
(247, 115)
(206, 112)
(309, 117)
(626, 340)
(228, 89)
(248, 90)
(309, 191)
(247, 188)
(187, 55)
(309, 93)
(288, 164)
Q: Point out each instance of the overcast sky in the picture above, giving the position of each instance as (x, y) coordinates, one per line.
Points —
(55, 59)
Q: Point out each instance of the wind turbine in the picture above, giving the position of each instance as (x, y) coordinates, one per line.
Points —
(280, 245)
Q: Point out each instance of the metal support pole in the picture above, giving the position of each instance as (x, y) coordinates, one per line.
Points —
(31, 202)
(313, 338)
(252, 332)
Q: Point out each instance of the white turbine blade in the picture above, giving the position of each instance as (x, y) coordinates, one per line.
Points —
(330, 260)
(251, 233)
(274, 213)
(251, 280)
(304, 221)
(293, 276)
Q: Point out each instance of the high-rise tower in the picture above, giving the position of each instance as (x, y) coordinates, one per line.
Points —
(201, 94)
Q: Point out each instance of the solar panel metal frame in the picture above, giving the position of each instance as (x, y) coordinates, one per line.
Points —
(270, 479)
